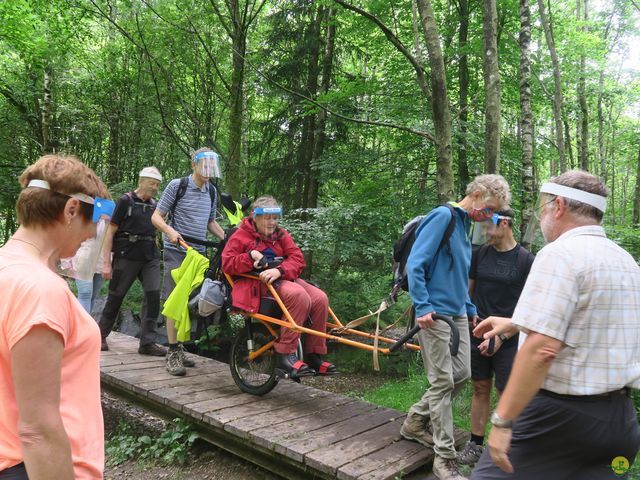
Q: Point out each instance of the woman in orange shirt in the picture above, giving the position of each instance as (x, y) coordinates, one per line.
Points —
(51, 423)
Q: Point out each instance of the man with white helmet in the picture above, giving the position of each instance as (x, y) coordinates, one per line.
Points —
(132, 238)
(187, 207)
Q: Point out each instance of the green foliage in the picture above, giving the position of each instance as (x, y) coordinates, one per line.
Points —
(171, 447)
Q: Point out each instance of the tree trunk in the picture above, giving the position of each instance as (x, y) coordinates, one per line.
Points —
(309, 131)
(440, 103)
(491, 87)
(557, 95)
(463, 98)
(236, 113)
(526, 116)
(47, 109)
(567, 142)
(327, 66)
(584, 114)
(636, 195)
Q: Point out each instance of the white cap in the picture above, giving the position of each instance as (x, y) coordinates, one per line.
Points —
(151, 172)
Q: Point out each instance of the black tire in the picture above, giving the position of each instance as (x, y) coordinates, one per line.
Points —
(257, 377)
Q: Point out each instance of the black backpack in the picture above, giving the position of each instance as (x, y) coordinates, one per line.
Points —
(182, 189)
(402, 246)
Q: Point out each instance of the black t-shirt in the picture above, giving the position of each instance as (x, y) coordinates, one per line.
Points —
(499, 279)
(132, 215)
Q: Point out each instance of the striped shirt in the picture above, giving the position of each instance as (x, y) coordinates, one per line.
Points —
(193, 211)
(584, 290)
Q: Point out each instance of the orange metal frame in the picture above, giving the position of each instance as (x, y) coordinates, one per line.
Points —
(268, 322)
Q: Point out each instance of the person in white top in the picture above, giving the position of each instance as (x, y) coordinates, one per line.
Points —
(566, 412)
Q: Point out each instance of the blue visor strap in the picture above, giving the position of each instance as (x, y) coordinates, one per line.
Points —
(495, 218)
(202, 155)
(267, 211)
(102, 206)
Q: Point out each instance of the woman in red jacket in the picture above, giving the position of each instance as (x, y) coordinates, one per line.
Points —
(259, 236)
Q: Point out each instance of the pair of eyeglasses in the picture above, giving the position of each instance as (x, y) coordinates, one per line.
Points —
(541, 207)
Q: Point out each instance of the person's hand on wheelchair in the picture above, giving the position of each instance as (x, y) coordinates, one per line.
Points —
(270, 275)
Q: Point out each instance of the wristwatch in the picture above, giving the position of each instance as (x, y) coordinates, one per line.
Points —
(496, 421)
(503, 337)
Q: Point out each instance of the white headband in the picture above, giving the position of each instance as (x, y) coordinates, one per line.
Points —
(597, 201)
(39, 184)
(83, 197)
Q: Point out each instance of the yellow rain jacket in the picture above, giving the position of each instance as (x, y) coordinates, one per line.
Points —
(187, 277)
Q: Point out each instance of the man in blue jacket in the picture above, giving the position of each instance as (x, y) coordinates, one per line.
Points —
(438, 283)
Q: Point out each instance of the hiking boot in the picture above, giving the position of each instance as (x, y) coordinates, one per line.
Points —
(174, 363)
(296, 368)
(152, 349)
(186, 361)
(104, 347)
(470, 454)
(447, 469)
(418, 429)
(321, 367)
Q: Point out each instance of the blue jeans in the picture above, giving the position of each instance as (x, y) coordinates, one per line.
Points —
(88, 291)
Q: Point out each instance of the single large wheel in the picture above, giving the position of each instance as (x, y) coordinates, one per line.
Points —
(256, 377)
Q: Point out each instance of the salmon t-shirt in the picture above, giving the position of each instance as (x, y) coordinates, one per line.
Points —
(34, 295)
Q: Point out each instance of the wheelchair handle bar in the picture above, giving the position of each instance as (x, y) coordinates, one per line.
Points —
(454, 344)
(198, 241)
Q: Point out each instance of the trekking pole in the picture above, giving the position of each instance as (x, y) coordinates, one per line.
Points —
(454, 343)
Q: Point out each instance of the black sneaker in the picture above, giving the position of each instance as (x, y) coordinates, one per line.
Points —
(296, 368)
(104, 347)
(152, 349)
(321, 367)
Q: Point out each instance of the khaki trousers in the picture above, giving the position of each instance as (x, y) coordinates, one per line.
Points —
(447, 376)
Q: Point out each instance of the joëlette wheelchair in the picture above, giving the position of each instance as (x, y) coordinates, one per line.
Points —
(252, 358)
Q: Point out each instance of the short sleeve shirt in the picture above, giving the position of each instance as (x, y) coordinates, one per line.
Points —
(499, 279)
(193, 212)
(34, 295)
(584, 290)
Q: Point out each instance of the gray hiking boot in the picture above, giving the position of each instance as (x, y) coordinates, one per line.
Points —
(186, 361)
(447, 469)
(174, 363)
(417, 429)
(152, 349)
(470, 454)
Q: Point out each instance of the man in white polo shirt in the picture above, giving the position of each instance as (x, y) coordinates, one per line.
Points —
(566, 412)
(191, 204)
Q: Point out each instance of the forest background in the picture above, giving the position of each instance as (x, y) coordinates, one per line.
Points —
(357, 115)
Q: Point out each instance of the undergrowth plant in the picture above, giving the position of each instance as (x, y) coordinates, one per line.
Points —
(171, 447)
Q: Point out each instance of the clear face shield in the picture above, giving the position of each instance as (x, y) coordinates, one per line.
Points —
(208, 165)
(82, 266)
(535, 235)
(266, 219)
(484, 232)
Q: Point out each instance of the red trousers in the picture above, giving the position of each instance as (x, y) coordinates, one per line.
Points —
(303, 301)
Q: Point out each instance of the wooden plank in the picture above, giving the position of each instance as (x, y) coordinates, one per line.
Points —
(328, 459)
(306, 427)
(287, 395)
(297, 447)
(177, 399)
(110, 360)
(287, 424)
(401, 456)
(243, 426)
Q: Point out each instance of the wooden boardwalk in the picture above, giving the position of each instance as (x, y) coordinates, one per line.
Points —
(294, 431)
